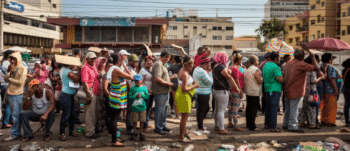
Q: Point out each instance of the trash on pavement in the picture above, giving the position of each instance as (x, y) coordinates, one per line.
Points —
(197, 133)
(273, 142)
(334, 140)
(262, 144)
(176, 145)
(88, 146)
(189, 148)
(228, 147)
(32, 147)
(15, 147)
(242, 148)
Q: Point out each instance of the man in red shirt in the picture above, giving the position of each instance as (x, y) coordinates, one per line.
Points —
(294, 87)
(202, 53)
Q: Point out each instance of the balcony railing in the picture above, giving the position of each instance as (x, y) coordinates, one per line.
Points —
(302, 29)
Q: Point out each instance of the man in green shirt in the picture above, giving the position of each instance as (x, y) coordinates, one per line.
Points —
(272, 86)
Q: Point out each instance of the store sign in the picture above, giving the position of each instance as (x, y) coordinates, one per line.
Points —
(15, 6)
(122, 21)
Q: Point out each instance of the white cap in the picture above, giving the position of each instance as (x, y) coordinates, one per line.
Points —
(123, 52)
(90, 55)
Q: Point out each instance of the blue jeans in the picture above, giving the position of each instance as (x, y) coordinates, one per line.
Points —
(29, 115)
(292, 112)
(15, 106)
(67, 104)
(7, 116)
(347, 105)
(149, 107)
(160, 111)
(271, 109)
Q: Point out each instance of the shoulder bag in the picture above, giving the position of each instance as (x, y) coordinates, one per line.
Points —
(81, 95)
(231, 95)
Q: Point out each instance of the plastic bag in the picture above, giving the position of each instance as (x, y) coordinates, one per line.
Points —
(138, 105)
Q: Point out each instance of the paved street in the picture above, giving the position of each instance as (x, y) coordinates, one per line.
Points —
(213, 143)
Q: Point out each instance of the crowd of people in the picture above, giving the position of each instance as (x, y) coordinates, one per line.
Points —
(117, 87)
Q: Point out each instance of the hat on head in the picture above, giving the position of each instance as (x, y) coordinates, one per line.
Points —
(133, 57)
(90, 55)
(123, 52)
(138, 77)
(34, 82)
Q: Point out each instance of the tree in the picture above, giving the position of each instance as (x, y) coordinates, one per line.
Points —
(271, 28)
(262, 46)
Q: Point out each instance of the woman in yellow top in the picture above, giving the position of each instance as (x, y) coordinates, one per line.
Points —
(184, 94)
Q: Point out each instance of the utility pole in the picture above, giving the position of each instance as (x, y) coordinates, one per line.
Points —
(217, 12)
(2, 26)
(156, 13)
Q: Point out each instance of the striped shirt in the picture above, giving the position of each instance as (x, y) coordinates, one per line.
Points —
(204, 79)
(118, 94)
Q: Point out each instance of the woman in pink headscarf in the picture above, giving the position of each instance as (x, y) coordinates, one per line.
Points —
(100, 64)
(222, 81)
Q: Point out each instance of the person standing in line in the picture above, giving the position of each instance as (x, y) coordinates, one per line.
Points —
(54, 76)
(286, 58)
(331, 92)
(132, 66)
(200, 74)
(5, 63)
(97, 90)
(14, 92)
(252, 88)
(124, 56)
(118, 94)
(184, 93)
(272, 86)
(161, 87)
(42, 73)
(295, 82)
(202, 52)
(235, 99)
(222, 81)
(77, 54)
(346, 91)
(174, 69)
(147, 77)
(67, 99)
(261, 67)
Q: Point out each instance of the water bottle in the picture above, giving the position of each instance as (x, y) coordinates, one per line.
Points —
(189, 148)
(170, 74)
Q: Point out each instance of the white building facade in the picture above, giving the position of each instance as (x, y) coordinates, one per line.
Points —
(282, 9)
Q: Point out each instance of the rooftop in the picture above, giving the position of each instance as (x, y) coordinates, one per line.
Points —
(245, 39)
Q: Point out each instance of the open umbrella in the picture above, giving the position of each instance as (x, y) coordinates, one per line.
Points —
(19, 49)
(280, 46)
(330, 44)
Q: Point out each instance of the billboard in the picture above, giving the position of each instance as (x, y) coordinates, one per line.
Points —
(15, 6)
(120, 21)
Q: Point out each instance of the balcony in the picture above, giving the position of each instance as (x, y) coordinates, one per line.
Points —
(302, 30)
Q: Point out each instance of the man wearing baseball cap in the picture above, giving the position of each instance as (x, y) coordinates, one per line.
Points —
(88, 77)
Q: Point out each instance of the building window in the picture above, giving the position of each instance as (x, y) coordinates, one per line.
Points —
(185, 36)
(36, 23)
(215, 37)
(344, 14)
(312, 22)
(54, 6)
(194, 27)
(348, 11)
(229, 28)
(318, 18)
(313, 7)
(291, 27)
(15, 19)
(297, 39)
(141, 34)
(204, 27)
(92, 34)
(348, 27)
(124, 34)
(229, 37)
(185, 26)
(219, 37)
(322, 4)
(318, 34)
(322, 35)
(312, 37)
(219, 28)
(109, 34)
(204, 36)
(49, 1)
(343, 32)
(170, 27)
(228, 47)
(78, 33)
(215, 28)
(290, 40)
(174, 27)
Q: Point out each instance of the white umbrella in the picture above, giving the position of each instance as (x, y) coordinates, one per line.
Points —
(19, 49)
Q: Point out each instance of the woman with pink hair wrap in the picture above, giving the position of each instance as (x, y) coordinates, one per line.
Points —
(222, 81)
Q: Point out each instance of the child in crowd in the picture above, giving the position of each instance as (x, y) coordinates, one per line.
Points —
(138, 94)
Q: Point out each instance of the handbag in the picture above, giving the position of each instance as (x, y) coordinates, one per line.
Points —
(81, 95)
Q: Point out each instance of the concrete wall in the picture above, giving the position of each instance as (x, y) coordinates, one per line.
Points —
(246, 44)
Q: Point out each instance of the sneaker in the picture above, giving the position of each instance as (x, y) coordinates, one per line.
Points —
(133, 136)
(95, 136)
(159, 132)
(142, 137)
(11, 138)
(166, 129)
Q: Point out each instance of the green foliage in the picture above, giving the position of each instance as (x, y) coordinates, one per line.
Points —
(271, 28)
(261, 46)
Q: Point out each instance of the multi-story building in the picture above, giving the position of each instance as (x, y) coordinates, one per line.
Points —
(246, 44)
(114, 33)
(297, 29)
(282, 9)
(25, 25)
(217, 32)
(344, 17)
(322, 19)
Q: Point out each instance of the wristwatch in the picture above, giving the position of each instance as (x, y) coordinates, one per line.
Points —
(28, 98)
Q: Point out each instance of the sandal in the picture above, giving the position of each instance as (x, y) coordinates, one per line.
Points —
(185, 140)
(257, 129)
(231, 126)
(276, 130)
(28, 138)
(225, 132)
(239, 129)
(216, 129)
(63, 138)
(118, 144)
(47, 138)
(73, 134)
(265, 127)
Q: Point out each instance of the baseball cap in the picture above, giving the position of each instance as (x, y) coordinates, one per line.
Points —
(34, 82)
(124, 52)
(90, 55)
(138, 77)
(133, 57)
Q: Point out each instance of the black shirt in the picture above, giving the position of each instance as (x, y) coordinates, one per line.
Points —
(220, 82)
(174, 70)
(347, 78)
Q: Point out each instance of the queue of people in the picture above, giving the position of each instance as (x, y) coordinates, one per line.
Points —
(122, 86)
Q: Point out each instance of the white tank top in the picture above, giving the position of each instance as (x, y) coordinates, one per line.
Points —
(40, 105)
(189, 82)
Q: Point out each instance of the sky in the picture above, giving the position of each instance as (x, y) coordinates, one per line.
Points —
(246, 14)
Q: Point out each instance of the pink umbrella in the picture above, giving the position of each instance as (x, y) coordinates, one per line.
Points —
(331, 44)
